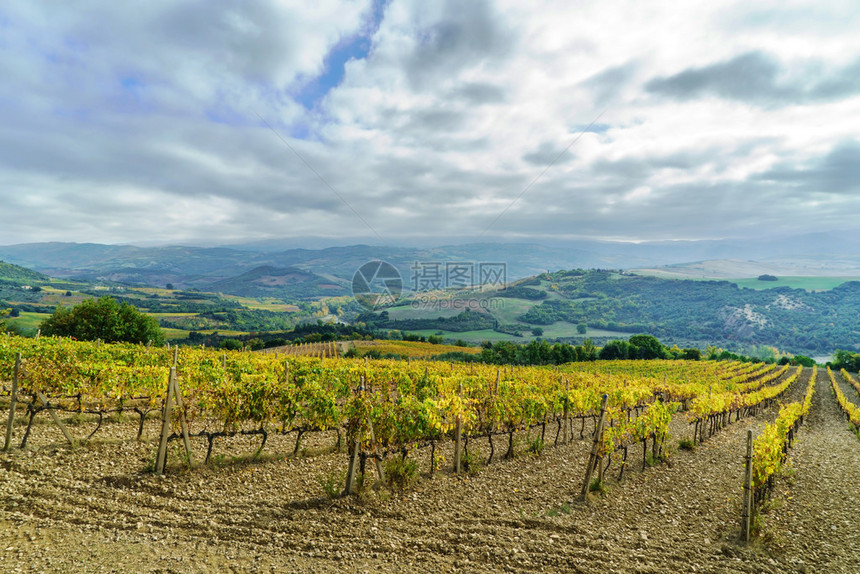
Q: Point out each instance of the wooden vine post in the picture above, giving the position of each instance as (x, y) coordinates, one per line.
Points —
(595, 449)
(182, 422)
(353, 459)
(13, 400)
(380, 472)
(166, 418)
(458, 436)
(165, 425)
(564, 438)
(747, 515)
(55, 418)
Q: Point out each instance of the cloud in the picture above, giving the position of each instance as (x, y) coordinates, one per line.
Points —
(758, 78)
(464, 33)
(428, 119)
(608, 84)
(837, 172)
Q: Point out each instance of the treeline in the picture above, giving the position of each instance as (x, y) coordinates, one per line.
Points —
(543, 353)
(236, 319)
(304, 333)
(465, 321)
(846, 360)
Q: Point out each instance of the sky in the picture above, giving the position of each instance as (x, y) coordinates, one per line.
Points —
(225, 121)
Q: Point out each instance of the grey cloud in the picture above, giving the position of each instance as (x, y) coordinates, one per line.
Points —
(467, 34)
(185, 58)
(842, 84)
(246, 38)
(546, 153)
(436, 120)
(254, 166)
(836, 172)
(758, 78)
(608, 84)
(478, 94)
(639, 168)
(697, 210)
(752, 76)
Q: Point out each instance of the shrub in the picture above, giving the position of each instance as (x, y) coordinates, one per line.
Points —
(103, 319)
(401, 472)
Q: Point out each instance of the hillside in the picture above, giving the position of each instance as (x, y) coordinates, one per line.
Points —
(289, 283)
(573, 305)
(19, 275)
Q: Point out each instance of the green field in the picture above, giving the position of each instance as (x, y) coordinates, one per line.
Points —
(402, 312)
(558, 329)
(473, 336)
(508, 310)
(29, 321)
(807, 283)
(564, 329)
(173, 334)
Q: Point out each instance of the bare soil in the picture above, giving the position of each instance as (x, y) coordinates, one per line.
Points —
(94, 508)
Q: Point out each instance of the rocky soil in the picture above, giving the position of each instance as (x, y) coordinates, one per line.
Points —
(95, 509)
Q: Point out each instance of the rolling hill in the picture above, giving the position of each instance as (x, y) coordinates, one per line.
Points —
(285, 283)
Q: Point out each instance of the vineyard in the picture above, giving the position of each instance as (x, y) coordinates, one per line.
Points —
(310, 455)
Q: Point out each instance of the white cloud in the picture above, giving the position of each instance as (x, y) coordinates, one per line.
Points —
(113, 116)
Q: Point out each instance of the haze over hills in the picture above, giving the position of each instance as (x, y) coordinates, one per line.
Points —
(820, 254)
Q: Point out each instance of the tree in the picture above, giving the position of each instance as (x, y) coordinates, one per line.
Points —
(537, 332)
(614, 350)
(647, 347)
(231, 344)
(582, 328)
(803, 360)
(103, 319)
(587, 351)
(691, 354)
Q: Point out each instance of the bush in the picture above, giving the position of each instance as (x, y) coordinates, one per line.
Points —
(332, 483)
(103, 319)
(401, 472)
(231, 344)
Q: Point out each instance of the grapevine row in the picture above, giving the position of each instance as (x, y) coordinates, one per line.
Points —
(852, 413)
(399, 404)
(771, 446)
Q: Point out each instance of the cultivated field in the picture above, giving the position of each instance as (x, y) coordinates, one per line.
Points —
(98, 507)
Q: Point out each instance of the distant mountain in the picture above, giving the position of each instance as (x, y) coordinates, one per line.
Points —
(201, 267)
(290, 283)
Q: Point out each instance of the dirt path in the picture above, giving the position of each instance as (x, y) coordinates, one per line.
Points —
(815, 520)
(93, 510)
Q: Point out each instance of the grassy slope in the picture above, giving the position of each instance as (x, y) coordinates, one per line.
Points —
(808, 283)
